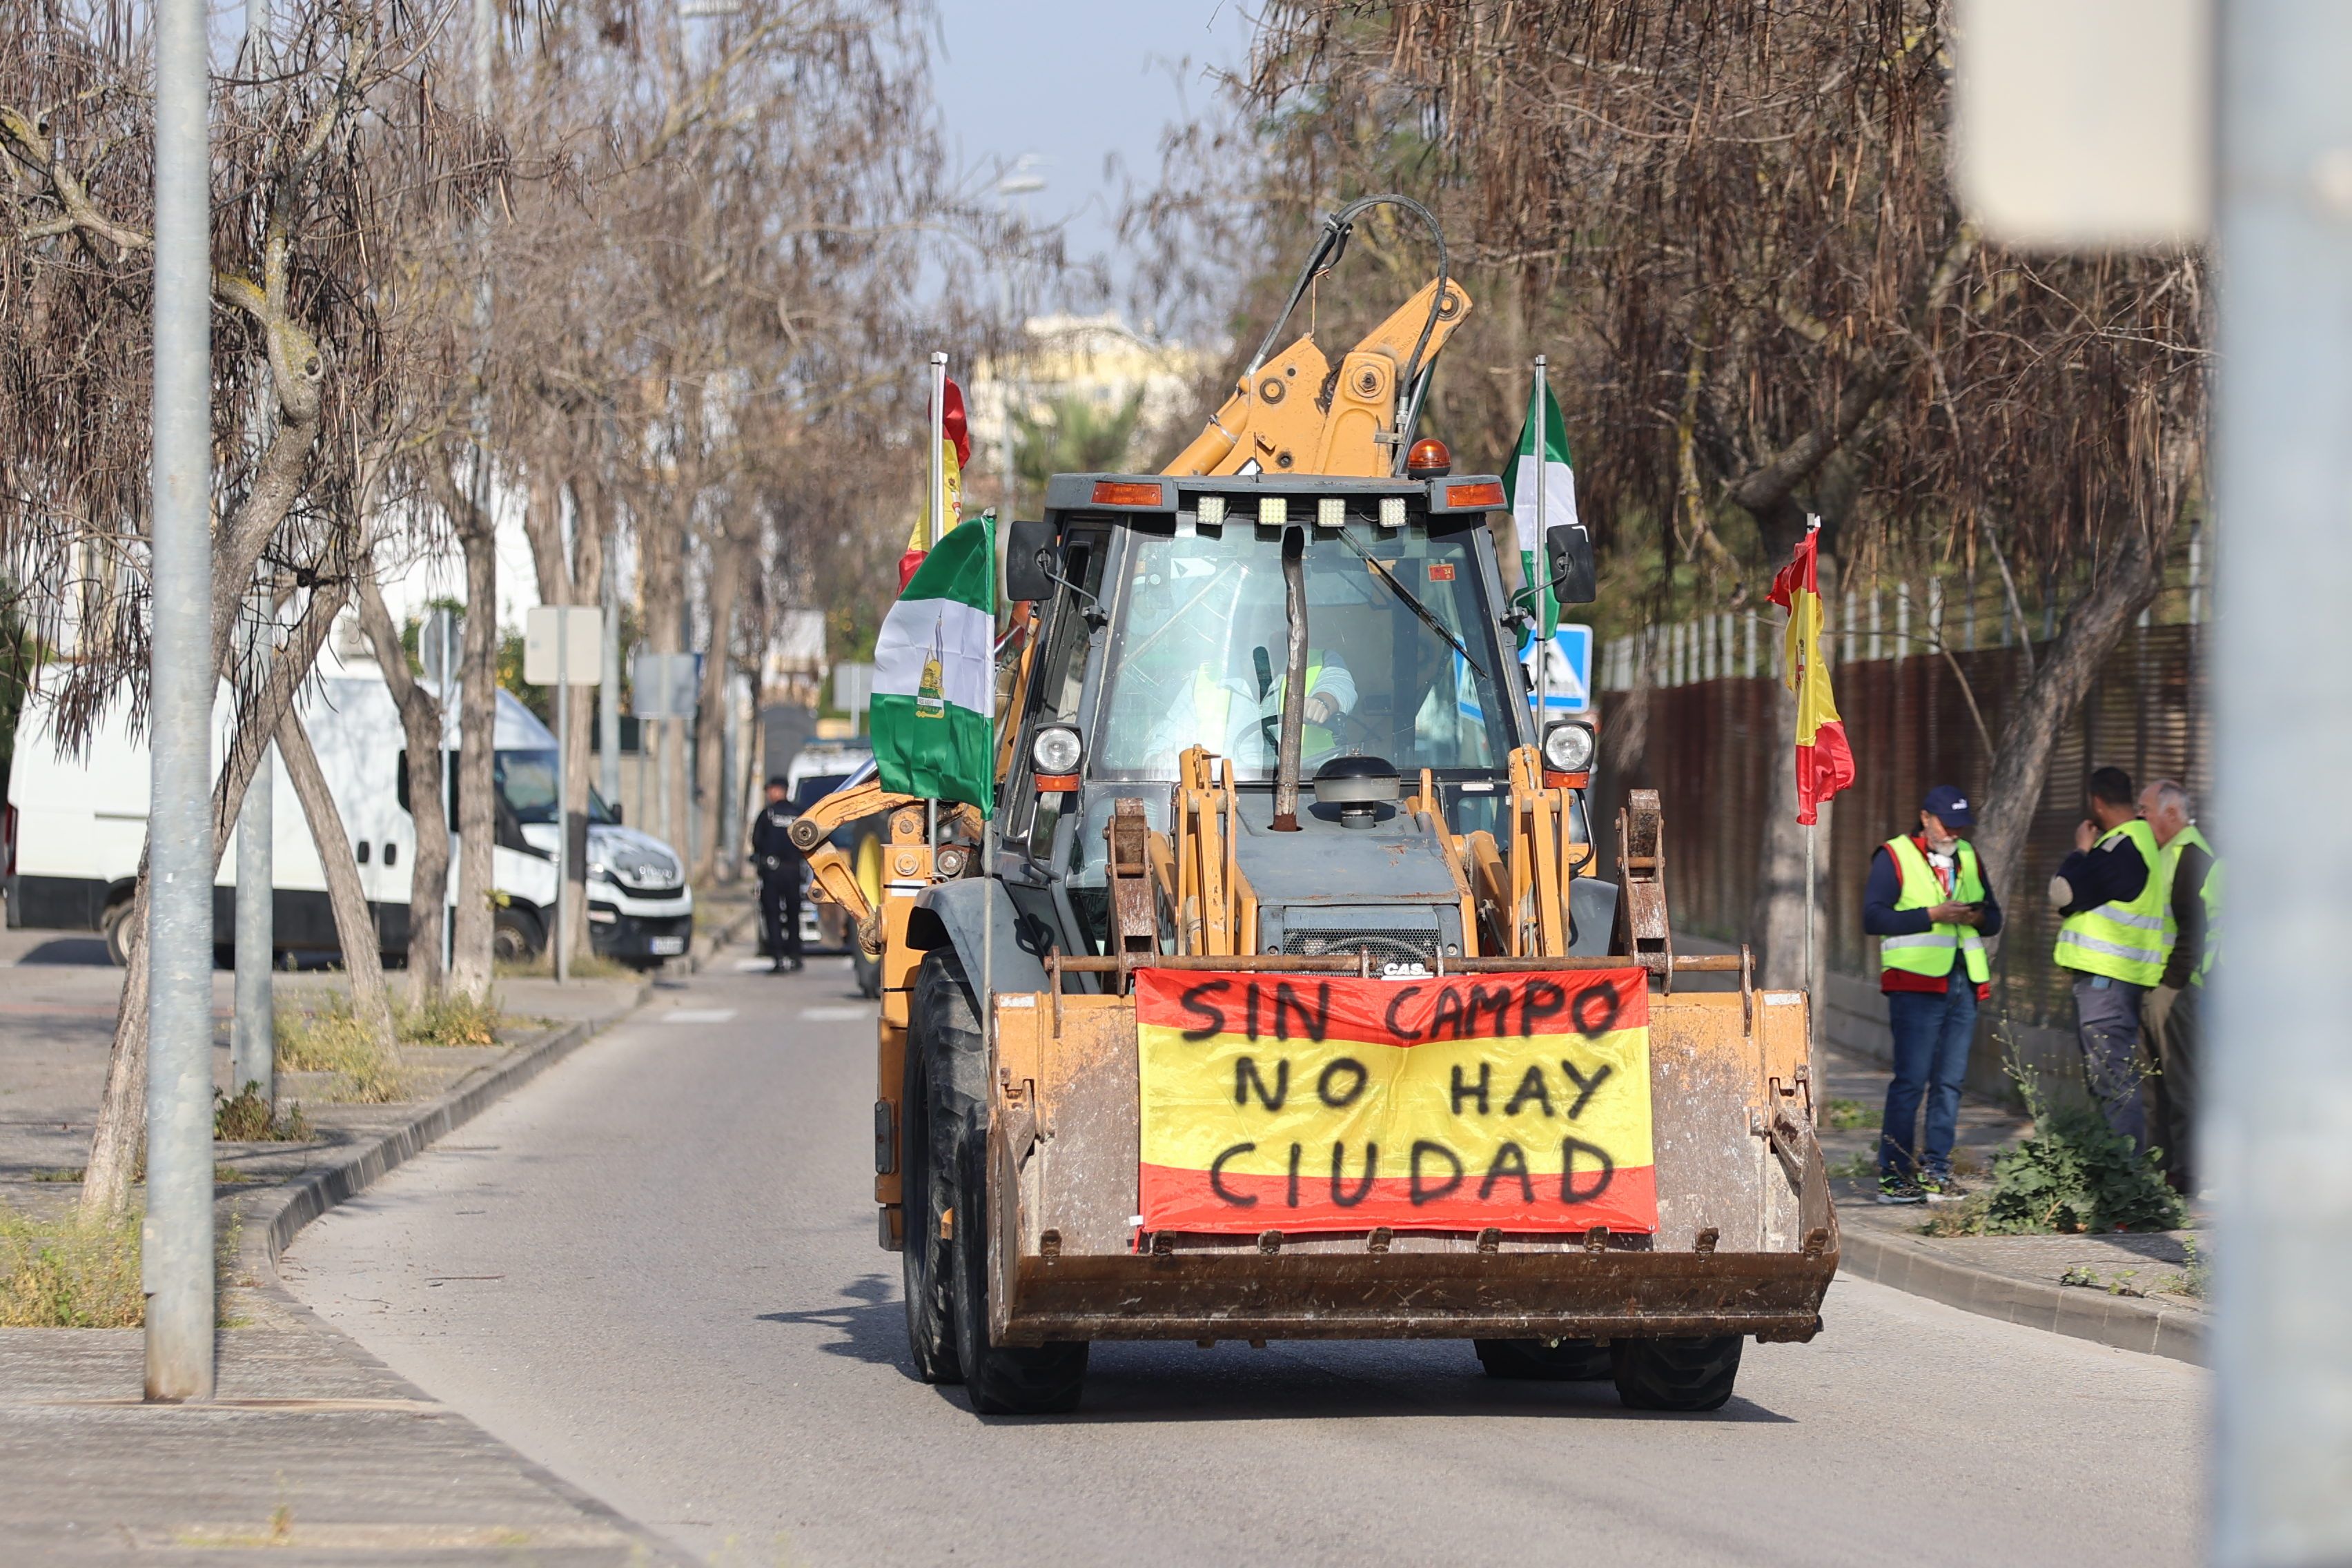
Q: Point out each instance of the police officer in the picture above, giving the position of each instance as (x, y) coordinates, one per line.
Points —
(2111, 893)
(780, 864)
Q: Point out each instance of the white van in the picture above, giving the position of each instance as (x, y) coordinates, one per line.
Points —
(75, 826)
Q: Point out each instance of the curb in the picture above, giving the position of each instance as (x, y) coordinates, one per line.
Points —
(301, 1202)
(305, 1199)
(2116, 1321)
(726, 936)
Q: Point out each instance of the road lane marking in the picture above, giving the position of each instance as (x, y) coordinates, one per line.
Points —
(834, 1014)
(699, 1016)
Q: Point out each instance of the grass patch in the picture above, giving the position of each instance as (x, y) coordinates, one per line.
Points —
(1844, 1115)
(2075, 1174)
(248, 1118)
(587, 966)
(69, 1272)
(328, 1036)
(451, 1019)
(1860, 1166)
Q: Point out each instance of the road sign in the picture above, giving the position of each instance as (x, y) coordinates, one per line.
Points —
(560, 641)
(665, 685)
(437, 639)
(2086, 123)
(852, 687)
(1571, 675)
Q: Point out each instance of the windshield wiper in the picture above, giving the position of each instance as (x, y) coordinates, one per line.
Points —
(1415, 606)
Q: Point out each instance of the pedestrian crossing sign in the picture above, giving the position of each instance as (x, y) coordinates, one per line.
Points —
(1568, 679)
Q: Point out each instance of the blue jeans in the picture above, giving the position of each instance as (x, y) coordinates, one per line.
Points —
(1933, 1032)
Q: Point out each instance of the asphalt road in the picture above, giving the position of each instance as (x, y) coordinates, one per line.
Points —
(653, 1271)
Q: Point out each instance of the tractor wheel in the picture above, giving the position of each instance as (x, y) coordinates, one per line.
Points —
(1685, 1374)
(927, 1265)
(1545, 1360)
(1002, 1380)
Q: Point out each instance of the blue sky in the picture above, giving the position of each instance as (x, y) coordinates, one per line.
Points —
(1078, 83)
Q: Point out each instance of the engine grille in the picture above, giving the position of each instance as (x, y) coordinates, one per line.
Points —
(1388, 944)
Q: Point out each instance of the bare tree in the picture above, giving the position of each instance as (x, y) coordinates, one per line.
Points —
(1733, 226)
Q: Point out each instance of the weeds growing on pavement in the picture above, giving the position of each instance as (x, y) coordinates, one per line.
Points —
(584, 966)
(328, 1036)
(68, 1272)
(247, 1119)
(451, 1019)
(2074, 1174)
(1844, 1115)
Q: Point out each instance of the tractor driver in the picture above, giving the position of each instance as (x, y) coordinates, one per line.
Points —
(1226, 689)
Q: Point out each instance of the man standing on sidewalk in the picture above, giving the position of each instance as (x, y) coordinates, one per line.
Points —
(1928, 904)
(780, 864)
(2112, 896)
(2174, 1012)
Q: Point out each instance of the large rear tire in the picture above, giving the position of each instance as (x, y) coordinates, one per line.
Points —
(927, 1266)
(1541, 1360)
(1002, 1380)
(1683, 1374)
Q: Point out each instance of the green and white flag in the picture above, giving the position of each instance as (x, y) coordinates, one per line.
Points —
(1550, 476)
(931, 715)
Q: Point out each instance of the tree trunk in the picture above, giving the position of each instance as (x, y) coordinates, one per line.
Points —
(420, 722)
(576, 578)
(710, 726)
(477, 923)
(2095, 623)
(122, 1105)
(355, 927)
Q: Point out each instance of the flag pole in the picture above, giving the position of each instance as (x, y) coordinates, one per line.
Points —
(988, 832)
(1542, 584)
(936, 507)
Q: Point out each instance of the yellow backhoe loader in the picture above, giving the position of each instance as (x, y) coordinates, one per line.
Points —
(1283, 999)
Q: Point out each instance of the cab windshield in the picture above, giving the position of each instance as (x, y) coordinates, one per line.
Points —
(526, 782)
(1199, 642)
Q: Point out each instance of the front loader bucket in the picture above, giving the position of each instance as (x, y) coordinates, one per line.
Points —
(1744, 1240)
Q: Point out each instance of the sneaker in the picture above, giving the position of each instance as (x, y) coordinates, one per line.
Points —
(1899, 1190)
(1942, 1188)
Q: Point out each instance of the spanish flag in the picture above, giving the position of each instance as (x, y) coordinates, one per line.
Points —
(955, 451)
(1824, 761)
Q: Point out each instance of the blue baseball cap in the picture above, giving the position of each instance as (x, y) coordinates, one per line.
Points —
(1948, 806)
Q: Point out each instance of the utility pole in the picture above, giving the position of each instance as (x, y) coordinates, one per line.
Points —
(608, 691)
(176, 1237)
(2282, 1071)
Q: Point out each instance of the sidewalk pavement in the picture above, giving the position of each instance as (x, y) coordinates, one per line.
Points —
(312, 1451)
(2127, 1290)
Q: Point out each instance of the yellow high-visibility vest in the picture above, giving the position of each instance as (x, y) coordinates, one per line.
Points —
(2123, 939)
(1931, 952)
(2212, 898)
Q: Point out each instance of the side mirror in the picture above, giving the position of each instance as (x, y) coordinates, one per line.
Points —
(1030, 559)
(1569, 551)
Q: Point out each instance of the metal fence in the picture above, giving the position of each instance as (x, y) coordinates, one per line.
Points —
(1711, 741)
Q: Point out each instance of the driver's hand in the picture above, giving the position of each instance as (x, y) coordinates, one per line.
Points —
(1318, 708)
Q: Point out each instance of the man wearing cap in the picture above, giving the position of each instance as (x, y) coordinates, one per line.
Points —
(780, 864)
(1928, 904)
(2111, 894)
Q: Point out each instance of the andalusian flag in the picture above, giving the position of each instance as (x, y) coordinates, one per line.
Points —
(1824, 761)
(1547, 473)
(931, 712)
